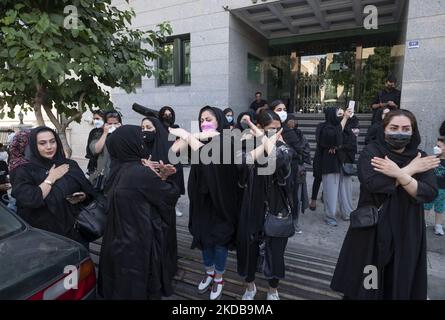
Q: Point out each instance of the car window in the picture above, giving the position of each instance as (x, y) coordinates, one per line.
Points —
(9, 224)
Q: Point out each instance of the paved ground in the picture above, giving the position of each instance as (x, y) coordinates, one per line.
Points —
(319, 238)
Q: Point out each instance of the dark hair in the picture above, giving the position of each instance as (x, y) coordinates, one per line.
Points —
(266, 117)
(112, 114)
(391, 78)
(258, 92)
(227, 110)
(398, 113)
(99, 112)
(441, 139)
(146, 118)
(275, 104)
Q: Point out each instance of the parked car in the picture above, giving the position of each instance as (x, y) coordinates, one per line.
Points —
(39, 265)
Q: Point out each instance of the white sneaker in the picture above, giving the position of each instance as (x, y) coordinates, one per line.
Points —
(273, 296)
(204, 285)
(438, 230)
(179, 213)
(249, 295)
(217, 290)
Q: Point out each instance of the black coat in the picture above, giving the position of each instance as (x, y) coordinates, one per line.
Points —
(397, 245)
(330, 137)
(348, 149)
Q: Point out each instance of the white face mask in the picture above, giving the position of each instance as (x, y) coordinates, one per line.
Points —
(3, 156)
(282, 115)
(437, 151)
(112, 129)
(98, 123)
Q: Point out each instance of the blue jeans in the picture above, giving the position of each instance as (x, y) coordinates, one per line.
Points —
(215, 257)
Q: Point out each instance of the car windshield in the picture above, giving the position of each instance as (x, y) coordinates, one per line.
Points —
(9, 224)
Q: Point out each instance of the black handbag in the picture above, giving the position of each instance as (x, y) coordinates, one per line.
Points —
(92, 219)
(364, 217)
(349, 169)
(280, 225)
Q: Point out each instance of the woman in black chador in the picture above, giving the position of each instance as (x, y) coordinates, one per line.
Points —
(397, 177)
(156, 146)
(213, 192)
(44, 187)
(133, 262)
(264, 188)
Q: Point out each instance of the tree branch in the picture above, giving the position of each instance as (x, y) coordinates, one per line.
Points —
(53, 118)
(78, 114)
(37, 105)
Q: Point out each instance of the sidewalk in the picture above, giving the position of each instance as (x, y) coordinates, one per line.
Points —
(317, 236)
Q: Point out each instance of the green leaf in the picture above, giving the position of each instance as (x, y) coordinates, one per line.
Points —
(43, 24)
(10, 17)
(19, 6)
(13, 52)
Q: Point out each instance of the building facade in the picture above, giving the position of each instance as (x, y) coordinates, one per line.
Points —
(309, 53)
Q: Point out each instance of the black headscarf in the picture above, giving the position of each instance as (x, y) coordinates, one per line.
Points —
(331, 116)
(35, 157)
(250, 113)
(173, 119)
(124, 145)
(410, 152)
(158, 148)
(220, 118)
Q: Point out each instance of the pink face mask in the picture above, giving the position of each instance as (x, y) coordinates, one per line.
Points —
(208, 126)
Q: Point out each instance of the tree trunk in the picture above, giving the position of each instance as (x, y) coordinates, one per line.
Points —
(38, 106)
(66, 146)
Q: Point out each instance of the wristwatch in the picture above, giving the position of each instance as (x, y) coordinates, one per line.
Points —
(48, 182)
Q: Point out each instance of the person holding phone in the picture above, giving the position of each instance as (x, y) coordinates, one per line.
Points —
(49, 187)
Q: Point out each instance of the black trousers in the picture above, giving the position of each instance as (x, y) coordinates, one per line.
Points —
(316, 188)
(254, 252)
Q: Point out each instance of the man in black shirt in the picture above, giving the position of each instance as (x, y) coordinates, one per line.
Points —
(259, 104)
(387, 98)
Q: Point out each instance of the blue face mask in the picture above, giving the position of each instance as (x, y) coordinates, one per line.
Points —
(230, 119)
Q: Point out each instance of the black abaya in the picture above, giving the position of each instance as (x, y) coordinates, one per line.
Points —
(214, 193)
(133, 261)
(397, 245)
(54, 213)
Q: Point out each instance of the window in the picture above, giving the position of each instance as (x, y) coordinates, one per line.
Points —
(254, 69)
(166, 65)
(174, 65)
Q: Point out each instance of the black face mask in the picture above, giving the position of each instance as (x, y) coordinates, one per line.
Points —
(398, 141)
(244, 125)
(149, 137)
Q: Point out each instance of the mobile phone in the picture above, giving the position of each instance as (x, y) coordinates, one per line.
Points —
(437, 151)
(74, 196)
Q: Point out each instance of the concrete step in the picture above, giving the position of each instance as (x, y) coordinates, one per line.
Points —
(308, 273)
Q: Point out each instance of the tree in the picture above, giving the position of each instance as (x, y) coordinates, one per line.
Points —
(57, 56)
(375, 71)
(344, 75)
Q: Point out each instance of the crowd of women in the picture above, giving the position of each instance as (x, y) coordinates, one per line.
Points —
(233, 206)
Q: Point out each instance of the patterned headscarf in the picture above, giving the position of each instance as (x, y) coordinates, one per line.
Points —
(17, 149)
